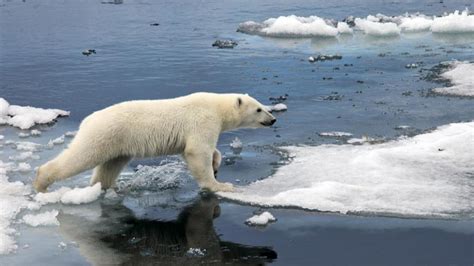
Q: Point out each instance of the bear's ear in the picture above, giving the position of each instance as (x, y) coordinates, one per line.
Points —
(239, 102)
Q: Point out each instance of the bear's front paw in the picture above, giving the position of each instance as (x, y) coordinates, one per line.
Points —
(225, 187)
(39, 185)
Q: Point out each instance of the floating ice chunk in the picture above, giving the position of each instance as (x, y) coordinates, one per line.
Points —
(262, 219)
(82, 195)
(290, 26)
(24, 117)
(2, 137)
(414, 24)
(25, 146)
(62, 245)
(45, 218)
(236, 143)
(28, 155)
(70, 134)
(343, 28)
(337, 134)
(23, 135)
(377, 28)
(57, 141)
(279, 107)
(429, 175)
(35, 132)
(236, 146)
(23, 167)
(51, 197)
(456, 22)
(462, 78)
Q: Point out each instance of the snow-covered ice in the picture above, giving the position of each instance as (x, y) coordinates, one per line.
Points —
(261, 219)
(45, 218)
(24, 117)
(462, 78)
(13, 198)
(51, 197)
(427, 175)
(82, 195)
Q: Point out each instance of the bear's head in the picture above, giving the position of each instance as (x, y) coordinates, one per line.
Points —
(252, 113)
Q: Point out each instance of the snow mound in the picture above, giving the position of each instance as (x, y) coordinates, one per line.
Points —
(262, 219)
(82, 195)
(461, 76)
(429, 175)
(25, 117)
(45, 218)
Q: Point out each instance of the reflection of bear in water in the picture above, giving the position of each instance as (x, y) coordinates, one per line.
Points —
(147, 242)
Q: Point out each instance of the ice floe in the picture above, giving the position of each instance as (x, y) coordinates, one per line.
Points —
(460, 75)
(429, 175)
(456, 22)
(291, 26)
(24, 117)
(45, 218)
(260, 219)
(377, 28)
(374, 25)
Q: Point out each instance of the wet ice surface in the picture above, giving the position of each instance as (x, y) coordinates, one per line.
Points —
(369, 93)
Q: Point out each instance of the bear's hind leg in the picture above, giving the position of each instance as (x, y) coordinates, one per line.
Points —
(107, 172)
(65, 165)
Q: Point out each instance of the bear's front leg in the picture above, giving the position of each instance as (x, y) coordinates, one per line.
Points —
(216, 161)
(200, 163)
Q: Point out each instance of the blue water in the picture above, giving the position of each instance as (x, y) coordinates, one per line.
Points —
(41, 65)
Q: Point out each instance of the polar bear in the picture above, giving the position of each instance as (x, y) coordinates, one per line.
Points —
(190, 125)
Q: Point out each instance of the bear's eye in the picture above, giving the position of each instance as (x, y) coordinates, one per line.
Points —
(259, 110)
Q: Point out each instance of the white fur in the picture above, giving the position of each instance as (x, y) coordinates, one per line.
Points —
(188, 125)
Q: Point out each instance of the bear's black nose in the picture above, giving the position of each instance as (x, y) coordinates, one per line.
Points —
(273, 121)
